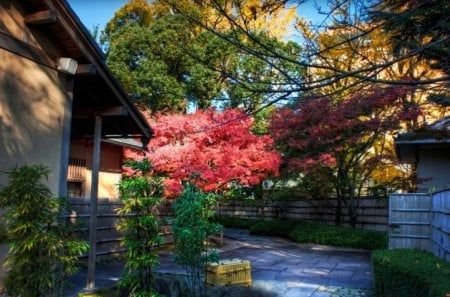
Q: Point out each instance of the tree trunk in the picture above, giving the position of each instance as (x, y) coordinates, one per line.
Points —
(352, 209)
(338, 210)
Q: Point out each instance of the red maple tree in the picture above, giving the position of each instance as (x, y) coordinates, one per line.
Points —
(342, 136)
(216, 147)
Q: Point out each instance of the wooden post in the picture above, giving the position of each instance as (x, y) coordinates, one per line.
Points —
(65, 151)
(94, 197)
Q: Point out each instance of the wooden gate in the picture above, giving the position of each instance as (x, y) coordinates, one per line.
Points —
(441, 224)
(410, 217)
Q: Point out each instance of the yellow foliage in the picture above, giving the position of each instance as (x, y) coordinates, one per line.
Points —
(268, 16)
(136, 9)
(388, 173)
(347, 50)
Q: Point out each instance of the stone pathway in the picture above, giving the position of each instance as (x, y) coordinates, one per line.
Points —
(278, 265)
(295, 270)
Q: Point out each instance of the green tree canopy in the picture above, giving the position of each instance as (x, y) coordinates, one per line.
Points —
(422, 27)
(347, 15)
(164, 60)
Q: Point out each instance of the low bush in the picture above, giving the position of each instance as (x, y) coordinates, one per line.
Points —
(233, 222)
(410, 273)
(305, 232)
(273, 227)
(338, 236)
(42, 247)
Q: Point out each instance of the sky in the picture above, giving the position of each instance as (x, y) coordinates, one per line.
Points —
(99, 12)
(95, 12)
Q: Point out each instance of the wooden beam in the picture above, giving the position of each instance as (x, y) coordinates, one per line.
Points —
(41, 17)
(27, 51)
(104, 112)
(66, 124)
(86, 69)
(90, 286)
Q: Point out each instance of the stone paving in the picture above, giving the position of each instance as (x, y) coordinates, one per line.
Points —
(278, 265)
(293, 269)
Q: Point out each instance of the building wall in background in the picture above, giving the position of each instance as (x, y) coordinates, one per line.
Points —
(434, 167)
(110, 168)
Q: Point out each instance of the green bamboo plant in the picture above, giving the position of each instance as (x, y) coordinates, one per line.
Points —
(42, 249)
(192, 225)
(141, 193)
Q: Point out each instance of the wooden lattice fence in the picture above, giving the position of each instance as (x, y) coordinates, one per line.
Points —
(372, 212)
(108, 238)
(421, 221)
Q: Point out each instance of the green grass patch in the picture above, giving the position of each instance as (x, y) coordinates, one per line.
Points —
(410, 273)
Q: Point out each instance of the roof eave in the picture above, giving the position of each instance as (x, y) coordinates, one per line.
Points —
(91, 50)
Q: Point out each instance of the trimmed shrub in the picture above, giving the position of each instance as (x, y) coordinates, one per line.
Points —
(273, 228)
(305, 232)
(410, 273)
(338, 236)
(233, 222)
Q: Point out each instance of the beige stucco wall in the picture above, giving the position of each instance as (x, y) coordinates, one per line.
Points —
(32, 100)
(107, 184)
(32, 107)
(110, 170)
(12, 23)
(110, 167)
(434, 163)
(31, 117)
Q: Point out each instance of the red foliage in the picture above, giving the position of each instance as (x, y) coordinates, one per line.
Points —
(217, 148)
(316, 131)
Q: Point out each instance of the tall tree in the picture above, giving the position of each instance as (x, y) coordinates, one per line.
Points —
(200, 145)
(351, 15)
(422, 27)
(415, 24)
(351, 42)
(339, 137)
(164, 60)
(147, 52)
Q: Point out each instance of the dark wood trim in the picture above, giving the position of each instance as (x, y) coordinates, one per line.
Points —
(65, 145)
(104, 112)
(41, 17)
(86, 69)
(80, 35)
(27, 51)
(96, 155)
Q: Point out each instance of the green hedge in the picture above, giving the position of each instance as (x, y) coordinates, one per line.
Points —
(273, 227)
(305, 232)
(338, 236)
(233, 222)
(410, 273)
